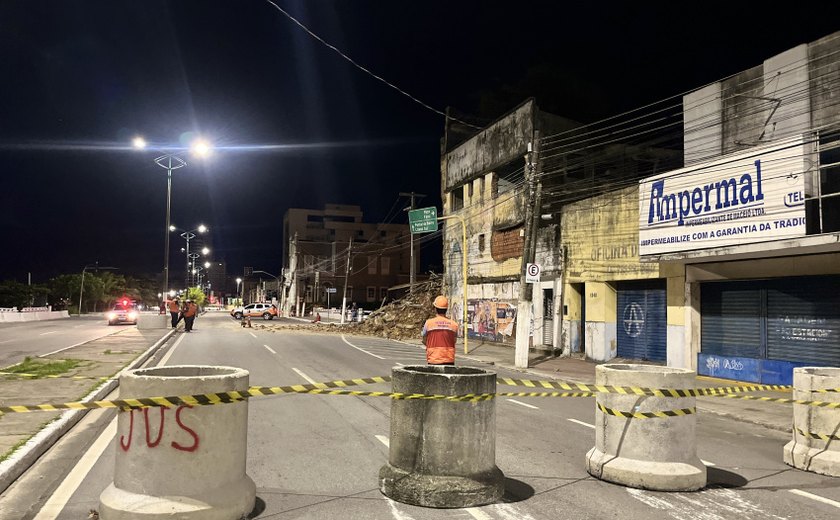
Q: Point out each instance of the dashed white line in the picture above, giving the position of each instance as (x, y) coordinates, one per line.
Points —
(270, 349)
(815, 497)
(50, 332)
(301, 374)
(520, 403)
(384, 440)
(252, 334)
(582, 423)
(478, 514)
(360, 350)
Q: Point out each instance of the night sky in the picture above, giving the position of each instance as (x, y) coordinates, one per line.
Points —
(81, 78)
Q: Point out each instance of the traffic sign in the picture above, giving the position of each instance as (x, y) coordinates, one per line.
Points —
(332, 290)
(532, 273)
(423, 220)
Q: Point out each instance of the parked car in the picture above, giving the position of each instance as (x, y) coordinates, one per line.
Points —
(255, 310)
(123, 313)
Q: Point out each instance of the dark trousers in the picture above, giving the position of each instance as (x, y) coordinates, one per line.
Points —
(174, 318)
(188, 323)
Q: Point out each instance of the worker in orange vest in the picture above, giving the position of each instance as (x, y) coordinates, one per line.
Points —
(439, 335)
(174, 311)
(189, 315)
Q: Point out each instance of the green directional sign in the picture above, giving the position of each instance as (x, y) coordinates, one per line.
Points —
(423, 220)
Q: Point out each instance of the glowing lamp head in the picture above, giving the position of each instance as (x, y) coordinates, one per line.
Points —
(138, 142)
(201, 148)
(202, 228)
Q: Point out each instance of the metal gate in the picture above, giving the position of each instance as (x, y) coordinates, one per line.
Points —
(548, 317)
(641, 331)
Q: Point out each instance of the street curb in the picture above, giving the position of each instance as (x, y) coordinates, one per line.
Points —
(20, 461)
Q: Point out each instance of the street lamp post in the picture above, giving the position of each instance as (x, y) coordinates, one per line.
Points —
(96, 267)
(276, 279)
(169, 162)
(238, 281)
(189, 235)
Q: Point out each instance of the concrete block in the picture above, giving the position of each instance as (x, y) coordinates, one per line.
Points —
(184, 462)
(658, 453)
(442, 453)
(805, 452)
(154, 321)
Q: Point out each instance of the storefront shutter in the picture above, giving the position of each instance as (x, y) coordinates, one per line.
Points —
(803, 320)
(641, 331)
(731, 319)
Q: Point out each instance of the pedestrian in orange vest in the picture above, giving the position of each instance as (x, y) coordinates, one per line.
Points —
(174, 311)
(439, 335)
(189, 315)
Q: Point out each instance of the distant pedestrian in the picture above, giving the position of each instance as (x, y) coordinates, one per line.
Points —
(174, 311)
(190, 312)
(439, 335)
(317, 317)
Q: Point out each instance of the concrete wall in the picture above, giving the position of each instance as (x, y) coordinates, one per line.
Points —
(600, 328)
(702, 129)
(17, 317)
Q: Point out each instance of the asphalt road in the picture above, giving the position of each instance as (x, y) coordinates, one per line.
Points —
(318, 457)
(35, 338)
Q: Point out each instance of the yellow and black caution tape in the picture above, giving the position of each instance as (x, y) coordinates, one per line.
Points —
(821, 404)
(298, 389)
(546, 394)
(823, 436)
(647, 415)
(632, 390)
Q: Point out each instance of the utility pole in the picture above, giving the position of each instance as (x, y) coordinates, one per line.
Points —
(412, 280)
(292, 299)
(346, 278)
(523, 313)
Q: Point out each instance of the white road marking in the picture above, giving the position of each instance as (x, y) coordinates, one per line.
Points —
(511, 512)
(400, 364)
(815, 497)
(5, 341)
(168, 355)
(526, 405)
(707, 463)
(709, 504)
(301, 374)
(71, 483)
(582, 423)
(270, 349)
(251, 333)
(478, 514)
(396, 513)
(50, 332)
(48, 354)
(384, 440)
(360, 350)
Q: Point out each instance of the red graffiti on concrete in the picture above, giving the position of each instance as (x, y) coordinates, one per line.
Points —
(126, 444)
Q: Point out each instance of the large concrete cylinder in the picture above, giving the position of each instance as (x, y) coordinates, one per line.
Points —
(807, 452)
(442, 453)
(658, 453)
(184, 462)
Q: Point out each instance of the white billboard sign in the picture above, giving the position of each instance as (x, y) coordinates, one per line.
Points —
(755, 196)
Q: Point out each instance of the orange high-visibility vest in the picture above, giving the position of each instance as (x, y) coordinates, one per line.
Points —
(173, 306)
(191, 310)
(440, 333)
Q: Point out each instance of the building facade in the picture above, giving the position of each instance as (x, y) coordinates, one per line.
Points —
(316, 268)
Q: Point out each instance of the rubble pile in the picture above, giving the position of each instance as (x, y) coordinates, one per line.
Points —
(403, 318)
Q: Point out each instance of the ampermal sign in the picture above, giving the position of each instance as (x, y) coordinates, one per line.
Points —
(754, 196)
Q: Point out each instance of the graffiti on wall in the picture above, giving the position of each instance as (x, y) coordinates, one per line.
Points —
(491, 320)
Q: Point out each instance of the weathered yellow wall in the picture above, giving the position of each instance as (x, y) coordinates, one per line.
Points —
(602, 237)
(600, 302)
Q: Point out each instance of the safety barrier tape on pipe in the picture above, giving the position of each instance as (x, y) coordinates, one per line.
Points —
(821, 404)
(647, 415)
(632, 390)
(823, 436)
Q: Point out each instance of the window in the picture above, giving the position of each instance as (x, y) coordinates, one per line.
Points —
(509, 176)
(507, 244)
(470, 190)
(383, 293)
(456, 198)
(371, 265)
(481, 243)
(371, 294)
(386, 264)
(482, 185)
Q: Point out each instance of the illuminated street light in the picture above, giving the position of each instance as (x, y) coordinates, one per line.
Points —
(169, 162)
(189, 235)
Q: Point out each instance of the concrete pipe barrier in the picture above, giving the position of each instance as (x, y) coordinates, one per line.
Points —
(185, 462)
(442, 453)
(658, 453)
(816, 430)
(154, 321)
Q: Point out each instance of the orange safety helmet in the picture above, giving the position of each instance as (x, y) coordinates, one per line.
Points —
(441, 302)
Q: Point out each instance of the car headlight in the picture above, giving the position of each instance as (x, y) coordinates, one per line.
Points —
(132, 315)
(112, 315)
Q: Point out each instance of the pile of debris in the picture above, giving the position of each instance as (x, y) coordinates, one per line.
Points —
(403, 318)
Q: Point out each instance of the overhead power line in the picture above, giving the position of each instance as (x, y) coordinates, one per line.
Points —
(365, 70)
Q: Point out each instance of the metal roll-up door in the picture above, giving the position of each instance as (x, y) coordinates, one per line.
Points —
(803, 320)
(731, 319)
(641, 331)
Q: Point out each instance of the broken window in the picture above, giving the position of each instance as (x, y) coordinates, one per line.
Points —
(457, 198)
(507, 244)
(510, 176)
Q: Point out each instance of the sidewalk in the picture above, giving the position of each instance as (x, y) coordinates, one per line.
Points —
(542, 365)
